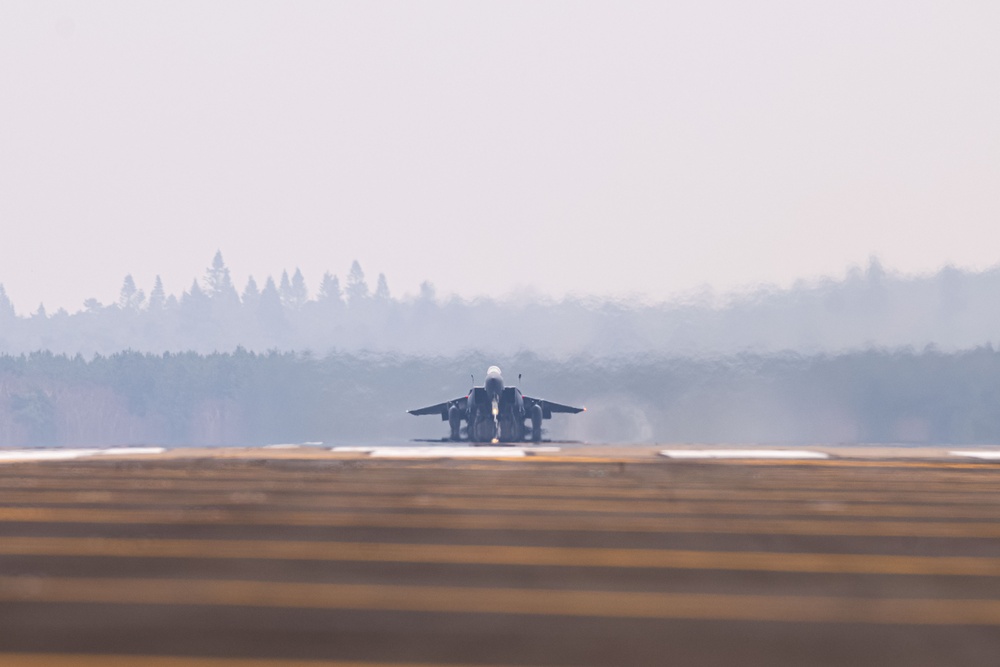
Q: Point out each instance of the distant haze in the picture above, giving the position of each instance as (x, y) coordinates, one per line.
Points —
(608, 148)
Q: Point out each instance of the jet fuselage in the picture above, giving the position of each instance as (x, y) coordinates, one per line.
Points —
(495, 412)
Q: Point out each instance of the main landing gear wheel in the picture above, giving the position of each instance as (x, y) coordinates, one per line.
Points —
(536, 423)
(455, 421)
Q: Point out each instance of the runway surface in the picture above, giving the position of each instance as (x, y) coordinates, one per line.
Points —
(571, 556)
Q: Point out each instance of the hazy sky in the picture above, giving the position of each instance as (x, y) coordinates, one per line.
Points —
(605, 148)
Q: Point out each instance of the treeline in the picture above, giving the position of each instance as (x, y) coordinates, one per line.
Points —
(245, 398)
(951, 309)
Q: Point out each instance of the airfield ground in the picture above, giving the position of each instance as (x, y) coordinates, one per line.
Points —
(571, 556)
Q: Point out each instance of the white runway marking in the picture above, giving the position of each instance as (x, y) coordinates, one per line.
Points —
(993, 455)
(67, 454)
(446, 452)
(45, 454)
(128, 451)
(742, 454)
(440, 451)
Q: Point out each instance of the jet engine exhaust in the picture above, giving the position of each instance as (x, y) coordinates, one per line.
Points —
(496, 420)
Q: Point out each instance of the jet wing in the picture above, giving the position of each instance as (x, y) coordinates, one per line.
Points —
(441, 408)
(548, 407)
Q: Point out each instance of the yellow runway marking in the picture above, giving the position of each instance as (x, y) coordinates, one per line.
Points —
(312, 502)
(530, 522)
(915, 494)
(829, 463)
(453, 554)
(850, 463)
(359, 484)
(390, 471)
(444, 599)
(519, 478)
(85, 660)
(539, 461)
(531, 466)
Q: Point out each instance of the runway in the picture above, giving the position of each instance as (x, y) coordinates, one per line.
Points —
(561, 556)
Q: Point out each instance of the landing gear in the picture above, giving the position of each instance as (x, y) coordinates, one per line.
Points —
(455, 421)
(487, 428)
(536, 423)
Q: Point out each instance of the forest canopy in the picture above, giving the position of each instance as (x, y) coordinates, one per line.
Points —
(243, 398)
(951, 310)
(875, 357)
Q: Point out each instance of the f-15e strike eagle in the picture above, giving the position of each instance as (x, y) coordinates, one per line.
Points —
(495, 413)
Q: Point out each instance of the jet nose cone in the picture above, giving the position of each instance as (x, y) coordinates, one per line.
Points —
(494, 385)
(494, 381)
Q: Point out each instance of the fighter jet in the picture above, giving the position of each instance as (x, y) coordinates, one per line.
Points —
(495, 413)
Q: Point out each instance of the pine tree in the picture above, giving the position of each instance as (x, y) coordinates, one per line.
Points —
(251, 295)
(329, 289)
(130, 298)
(357, 288)
(427, 291)
(299, 291)
(219, 282)
(269, 309)
(157, 298)
(285, 290)
(6, 307)
(875, 274)
(270, 290)
(41, 313)
(195, 298)
(382, 288)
